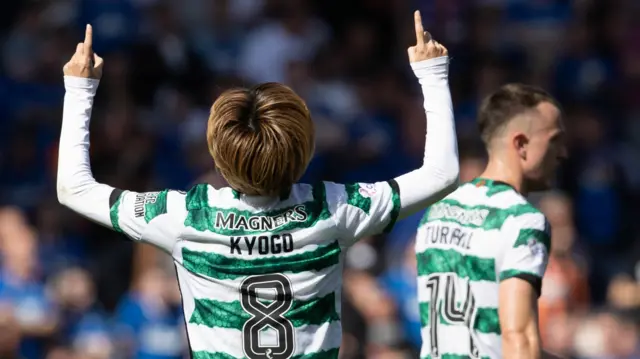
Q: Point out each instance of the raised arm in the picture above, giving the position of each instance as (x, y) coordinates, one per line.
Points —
(438, 175)
(127, 212)
(362, 209)
(76, 186)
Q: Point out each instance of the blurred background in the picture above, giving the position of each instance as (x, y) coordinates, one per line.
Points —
(70, 289)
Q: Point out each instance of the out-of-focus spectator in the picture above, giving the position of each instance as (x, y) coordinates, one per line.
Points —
(471, 166)
(624, 293)
(164, 58)
(488, 74)
(115, 22)
(150, 323)
(564, 288)
(10, 338)
(400, 282)
(94, 346)
(590, 341)
(599, 188)
(295, 35)
(377, 312)
(219, 38)
(83, 324)
(328, 101)
(581, 72)
(560, 332)
(607, 335)
(61, 353)
(21, 288)
(21, 173)
(57, 248)
(12, 222)
(22, 47)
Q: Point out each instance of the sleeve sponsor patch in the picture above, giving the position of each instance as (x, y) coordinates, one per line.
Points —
(141, 200)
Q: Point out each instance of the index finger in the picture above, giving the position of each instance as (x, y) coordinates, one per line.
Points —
(417, 18)
(88, 41)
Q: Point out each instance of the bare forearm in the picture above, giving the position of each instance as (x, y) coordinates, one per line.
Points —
(520, 346)
(438, 175)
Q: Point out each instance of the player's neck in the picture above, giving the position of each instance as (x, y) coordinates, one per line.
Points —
(500, 170)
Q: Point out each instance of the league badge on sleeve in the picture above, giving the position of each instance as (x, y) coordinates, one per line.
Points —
(536, 248)
(367, 190)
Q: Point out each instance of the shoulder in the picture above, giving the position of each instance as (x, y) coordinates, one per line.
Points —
(519, 210)
(489, 212)
(154, 204)
(527, 225)
(355, 191)
(332, 187)
(463, 200)
(513, 209)
(204, 195)
(525, 218)
(198, 196)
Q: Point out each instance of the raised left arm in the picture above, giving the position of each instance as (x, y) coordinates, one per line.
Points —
(76, 187)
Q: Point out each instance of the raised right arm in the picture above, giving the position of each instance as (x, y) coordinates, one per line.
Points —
(438, 175)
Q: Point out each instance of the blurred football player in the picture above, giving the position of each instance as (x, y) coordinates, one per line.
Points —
(482, 251)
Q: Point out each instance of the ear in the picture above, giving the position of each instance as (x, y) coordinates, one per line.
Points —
(520, 143)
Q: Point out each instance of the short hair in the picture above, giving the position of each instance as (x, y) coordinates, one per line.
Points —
(261, 138)
(509, 101)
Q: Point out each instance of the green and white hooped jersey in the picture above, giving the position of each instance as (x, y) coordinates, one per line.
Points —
(481, 234)
(259, 282)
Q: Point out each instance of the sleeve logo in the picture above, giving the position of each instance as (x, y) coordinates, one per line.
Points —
(367, 190)
(536, 248)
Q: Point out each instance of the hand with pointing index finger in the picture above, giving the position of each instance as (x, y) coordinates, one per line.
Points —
(84, 63)
(426, 48)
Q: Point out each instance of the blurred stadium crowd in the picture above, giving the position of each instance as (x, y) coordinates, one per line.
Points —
(71, 289)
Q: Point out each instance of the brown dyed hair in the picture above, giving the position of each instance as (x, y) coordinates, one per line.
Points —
(261, 139)
(509, 101)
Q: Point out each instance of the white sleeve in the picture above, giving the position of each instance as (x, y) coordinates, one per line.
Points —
(438, 175)
(528, 242)
(363, 209)
(76, 186)
(126, 212)
(152, 217)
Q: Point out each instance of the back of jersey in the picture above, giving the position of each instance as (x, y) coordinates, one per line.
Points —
(240, 269)
(259, 277)
(482, 233)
